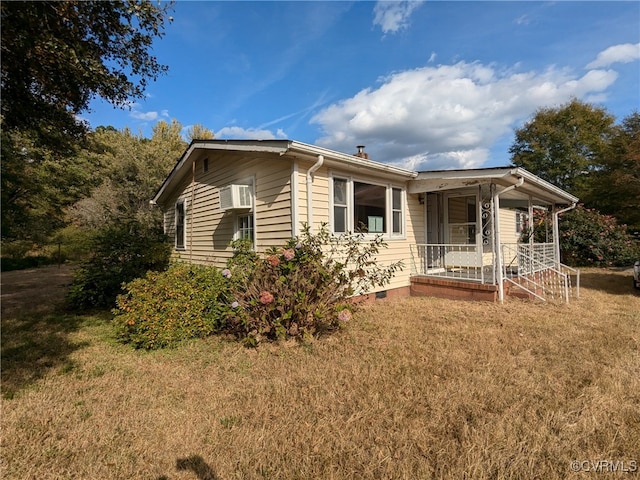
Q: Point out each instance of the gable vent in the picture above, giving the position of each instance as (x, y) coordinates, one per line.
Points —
(235, 197)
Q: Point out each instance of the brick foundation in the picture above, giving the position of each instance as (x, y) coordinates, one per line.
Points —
(400, 292)
(452, 289)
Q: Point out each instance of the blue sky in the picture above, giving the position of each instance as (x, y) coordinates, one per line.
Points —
(424, 85)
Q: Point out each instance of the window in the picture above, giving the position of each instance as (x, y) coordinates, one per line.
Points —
(522, 221)
(205, 165)
(367, 208)
(462, 219)
(340, 205)
(396, 211)
(180, 223)
(245, 227)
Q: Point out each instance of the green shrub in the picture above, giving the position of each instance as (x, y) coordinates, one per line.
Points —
(589, 238)
(183, 302)
(120, 254)
(303, 288)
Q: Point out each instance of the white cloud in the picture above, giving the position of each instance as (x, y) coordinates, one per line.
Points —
(239, 133)
(145, 116)
(623, 53)
(392, 16)
(447, 116)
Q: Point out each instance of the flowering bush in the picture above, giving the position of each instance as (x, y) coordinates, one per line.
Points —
(303, 288)
(588, 238)
(297, 291)
(161, 309)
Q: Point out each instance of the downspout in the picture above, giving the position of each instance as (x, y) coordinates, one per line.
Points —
(556, 232)
(496, 235)
(193, 198)
(310, 173)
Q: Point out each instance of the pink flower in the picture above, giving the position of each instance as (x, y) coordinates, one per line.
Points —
(266, 298)
(288, 254)
(344, 315)
(226, 273)
(273, 260)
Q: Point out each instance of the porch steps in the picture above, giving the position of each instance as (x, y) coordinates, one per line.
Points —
(517, 291)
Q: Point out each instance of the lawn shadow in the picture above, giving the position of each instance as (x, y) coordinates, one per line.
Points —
(197, 465)
(35, 328)
(609, 282)
(33, 345)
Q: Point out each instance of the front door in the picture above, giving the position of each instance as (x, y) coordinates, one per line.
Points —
(461, 212)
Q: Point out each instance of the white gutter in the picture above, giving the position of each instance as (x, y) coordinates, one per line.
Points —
(295, 195)
(310, 173)
(496, 235)
(556, 232)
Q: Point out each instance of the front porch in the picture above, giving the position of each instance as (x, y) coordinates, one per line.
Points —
(480, 240)
(469, 272)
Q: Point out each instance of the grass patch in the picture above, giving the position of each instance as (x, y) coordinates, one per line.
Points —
(416, 388)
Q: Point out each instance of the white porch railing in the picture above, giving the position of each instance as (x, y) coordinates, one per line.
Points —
(531, 267)
(454, 261)
(534, 269)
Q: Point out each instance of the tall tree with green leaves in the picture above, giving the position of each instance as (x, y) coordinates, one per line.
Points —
(58, 56)
(616, 186)
(130, 170)
(565, 145)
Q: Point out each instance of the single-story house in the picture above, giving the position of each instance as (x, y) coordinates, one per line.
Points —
(458, 232)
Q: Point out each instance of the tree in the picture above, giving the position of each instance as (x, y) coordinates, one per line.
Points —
(131, 168)
(57, 56)
(616, 189)
(565, 145)
(37, 184)
(199, 132)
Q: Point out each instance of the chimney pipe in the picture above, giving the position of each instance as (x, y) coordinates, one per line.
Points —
(361, 153)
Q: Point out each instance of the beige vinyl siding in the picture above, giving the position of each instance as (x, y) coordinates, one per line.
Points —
(273, 204)
(210, 229)
(401, 249)
(397, 248)
(508, 232)
(320, 199)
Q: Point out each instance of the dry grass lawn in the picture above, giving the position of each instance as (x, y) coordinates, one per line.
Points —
(412, 389)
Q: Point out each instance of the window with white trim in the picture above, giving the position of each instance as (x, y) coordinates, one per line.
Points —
(364, 207)
(340, 206)
(180, 224)
(396, 212)
(245, 230)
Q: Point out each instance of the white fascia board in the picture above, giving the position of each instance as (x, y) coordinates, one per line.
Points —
(546, 186)
(506, 176)
(178, 170)
(335, 159)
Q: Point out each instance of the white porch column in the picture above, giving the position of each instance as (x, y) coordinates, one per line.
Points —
(498, 258)
(556, 232)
